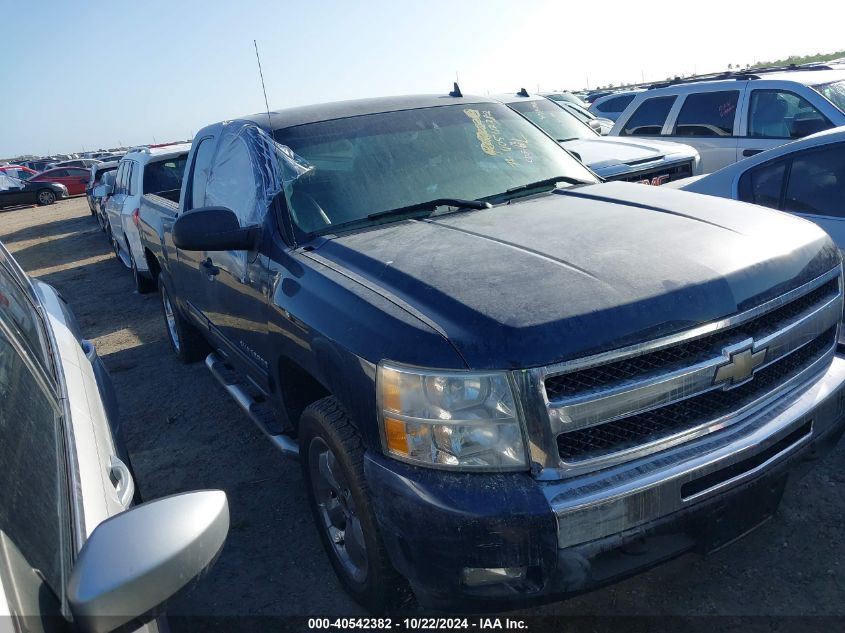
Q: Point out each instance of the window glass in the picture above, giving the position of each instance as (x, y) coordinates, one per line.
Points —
(708, 114)
(118, 179)
(20, 315)
(553, 120)
(164, 175)
(368, 164)
(130, 178)
(763, 185)
(199, 175)
(817, 182)
(231, 183)
(56, 173)
(649, 117)
(617, 104)
(783, 114)
(31, 504)
(833, 92)
(77, 172)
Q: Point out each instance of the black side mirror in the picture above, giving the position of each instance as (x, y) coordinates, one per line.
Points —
(213, 229)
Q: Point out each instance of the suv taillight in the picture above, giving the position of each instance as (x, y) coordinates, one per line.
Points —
(135, 217)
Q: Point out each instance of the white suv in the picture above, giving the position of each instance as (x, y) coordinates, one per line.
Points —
(742, 115)
(142, 170)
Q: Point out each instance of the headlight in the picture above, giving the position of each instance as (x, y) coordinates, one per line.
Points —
(452, 420)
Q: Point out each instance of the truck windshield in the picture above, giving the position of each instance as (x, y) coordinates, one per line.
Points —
(833, 92)
(364, 165)
(553, 120)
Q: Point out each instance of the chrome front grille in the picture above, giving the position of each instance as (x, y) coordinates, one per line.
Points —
(644, 398)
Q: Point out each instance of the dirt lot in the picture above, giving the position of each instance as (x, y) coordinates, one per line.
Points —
(184, 433)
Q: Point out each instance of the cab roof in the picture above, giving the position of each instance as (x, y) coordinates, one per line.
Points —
(302, 115)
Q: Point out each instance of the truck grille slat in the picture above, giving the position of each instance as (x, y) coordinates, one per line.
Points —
(645, 398)
(564, 385)
(690, 413)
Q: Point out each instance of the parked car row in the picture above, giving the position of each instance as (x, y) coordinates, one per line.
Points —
(442, 308)
(443, 312)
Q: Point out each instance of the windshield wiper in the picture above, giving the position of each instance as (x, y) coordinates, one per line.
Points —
(549, 182)
(431, 205)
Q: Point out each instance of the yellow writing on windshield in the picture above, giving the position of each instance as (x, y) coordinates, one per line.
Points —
(481, 133)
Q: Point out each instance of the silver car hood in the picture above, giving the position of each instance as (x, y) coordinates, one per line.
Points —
(611, 156)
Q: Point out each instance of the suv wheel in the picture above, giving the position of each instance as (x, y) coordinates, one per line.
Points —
(185, 340)
(331, 455)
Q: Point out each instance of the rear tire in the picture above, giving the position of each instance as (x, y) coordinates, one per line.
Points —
(185, 340)
(45, 197)
(332, 459)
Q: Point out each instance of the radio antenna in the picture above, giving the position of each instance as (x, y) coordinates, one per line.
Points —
(266, 104)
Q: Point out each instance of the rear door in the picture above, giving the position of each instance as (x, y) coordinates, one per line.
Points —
(77, 179)
(114, 203)
(774, 116)
(236, 279)
(707, 120)
(190, 276)
(810, 184)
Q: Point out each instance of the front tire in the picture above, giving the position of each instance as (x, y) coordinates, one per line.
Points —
(185, 340)
(332, 459)
(45, 197)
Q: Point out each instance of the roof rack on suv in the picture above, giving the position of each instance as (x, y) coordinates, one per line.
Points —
(738, 75)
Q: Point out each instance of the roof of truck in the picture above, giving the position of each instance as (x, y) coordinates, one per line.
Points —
(291, 117)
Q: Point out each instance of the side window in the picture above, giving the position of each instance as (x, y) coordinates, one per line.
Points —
(231, 182)
(708, 114)
(76, 173)
(118, 181)
(32, 506)
(130, 178)
(617, 104)
(817, 182)
(783, 114)
(199, 172)
(763, 185)
(57, 173)
(649, 117)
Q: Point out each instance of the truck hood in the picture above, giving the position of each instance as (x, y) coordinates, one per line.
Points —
(611, 156)
(582, 270)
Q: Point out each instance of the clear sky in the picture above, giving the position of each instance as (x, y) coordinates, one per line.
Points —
(92, 74)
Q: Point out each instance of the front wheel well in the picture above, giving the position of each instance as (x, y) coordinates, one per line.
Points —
(298, 389)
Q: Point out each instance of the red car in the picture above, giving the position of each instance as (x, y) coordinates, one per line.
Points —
(74, 178)
(18, 171)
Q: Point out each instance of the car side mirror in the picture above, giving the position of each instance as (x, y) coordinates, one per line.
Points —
(594, 123)
(133, 562)
(213, 229)
(101, 191)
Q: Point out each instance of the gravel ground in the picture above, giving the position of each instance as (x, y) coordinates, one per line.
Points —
(184, 433)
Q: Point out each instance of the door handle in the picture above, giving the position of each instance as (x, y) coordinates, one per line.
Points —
(124, 485)
(209, 268)
(750, 152)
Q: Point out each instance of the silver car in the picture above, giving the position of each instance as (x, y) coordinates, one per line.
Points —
(74, 547)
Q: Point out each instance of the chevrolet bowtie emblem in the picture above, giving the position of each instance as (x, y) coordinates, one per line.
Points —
(743, 362)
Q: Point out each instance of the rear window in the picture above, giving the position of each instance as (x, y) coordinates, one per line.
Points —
(649, 117)
(708, 114)
(164, 175)
(617, 104)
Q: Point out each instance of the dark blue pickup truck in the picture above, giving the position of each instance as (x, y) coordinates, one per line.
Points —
(505, 380)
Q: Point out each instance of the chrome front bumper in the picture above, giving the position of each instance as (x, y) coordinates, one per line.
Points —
(640, 492)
